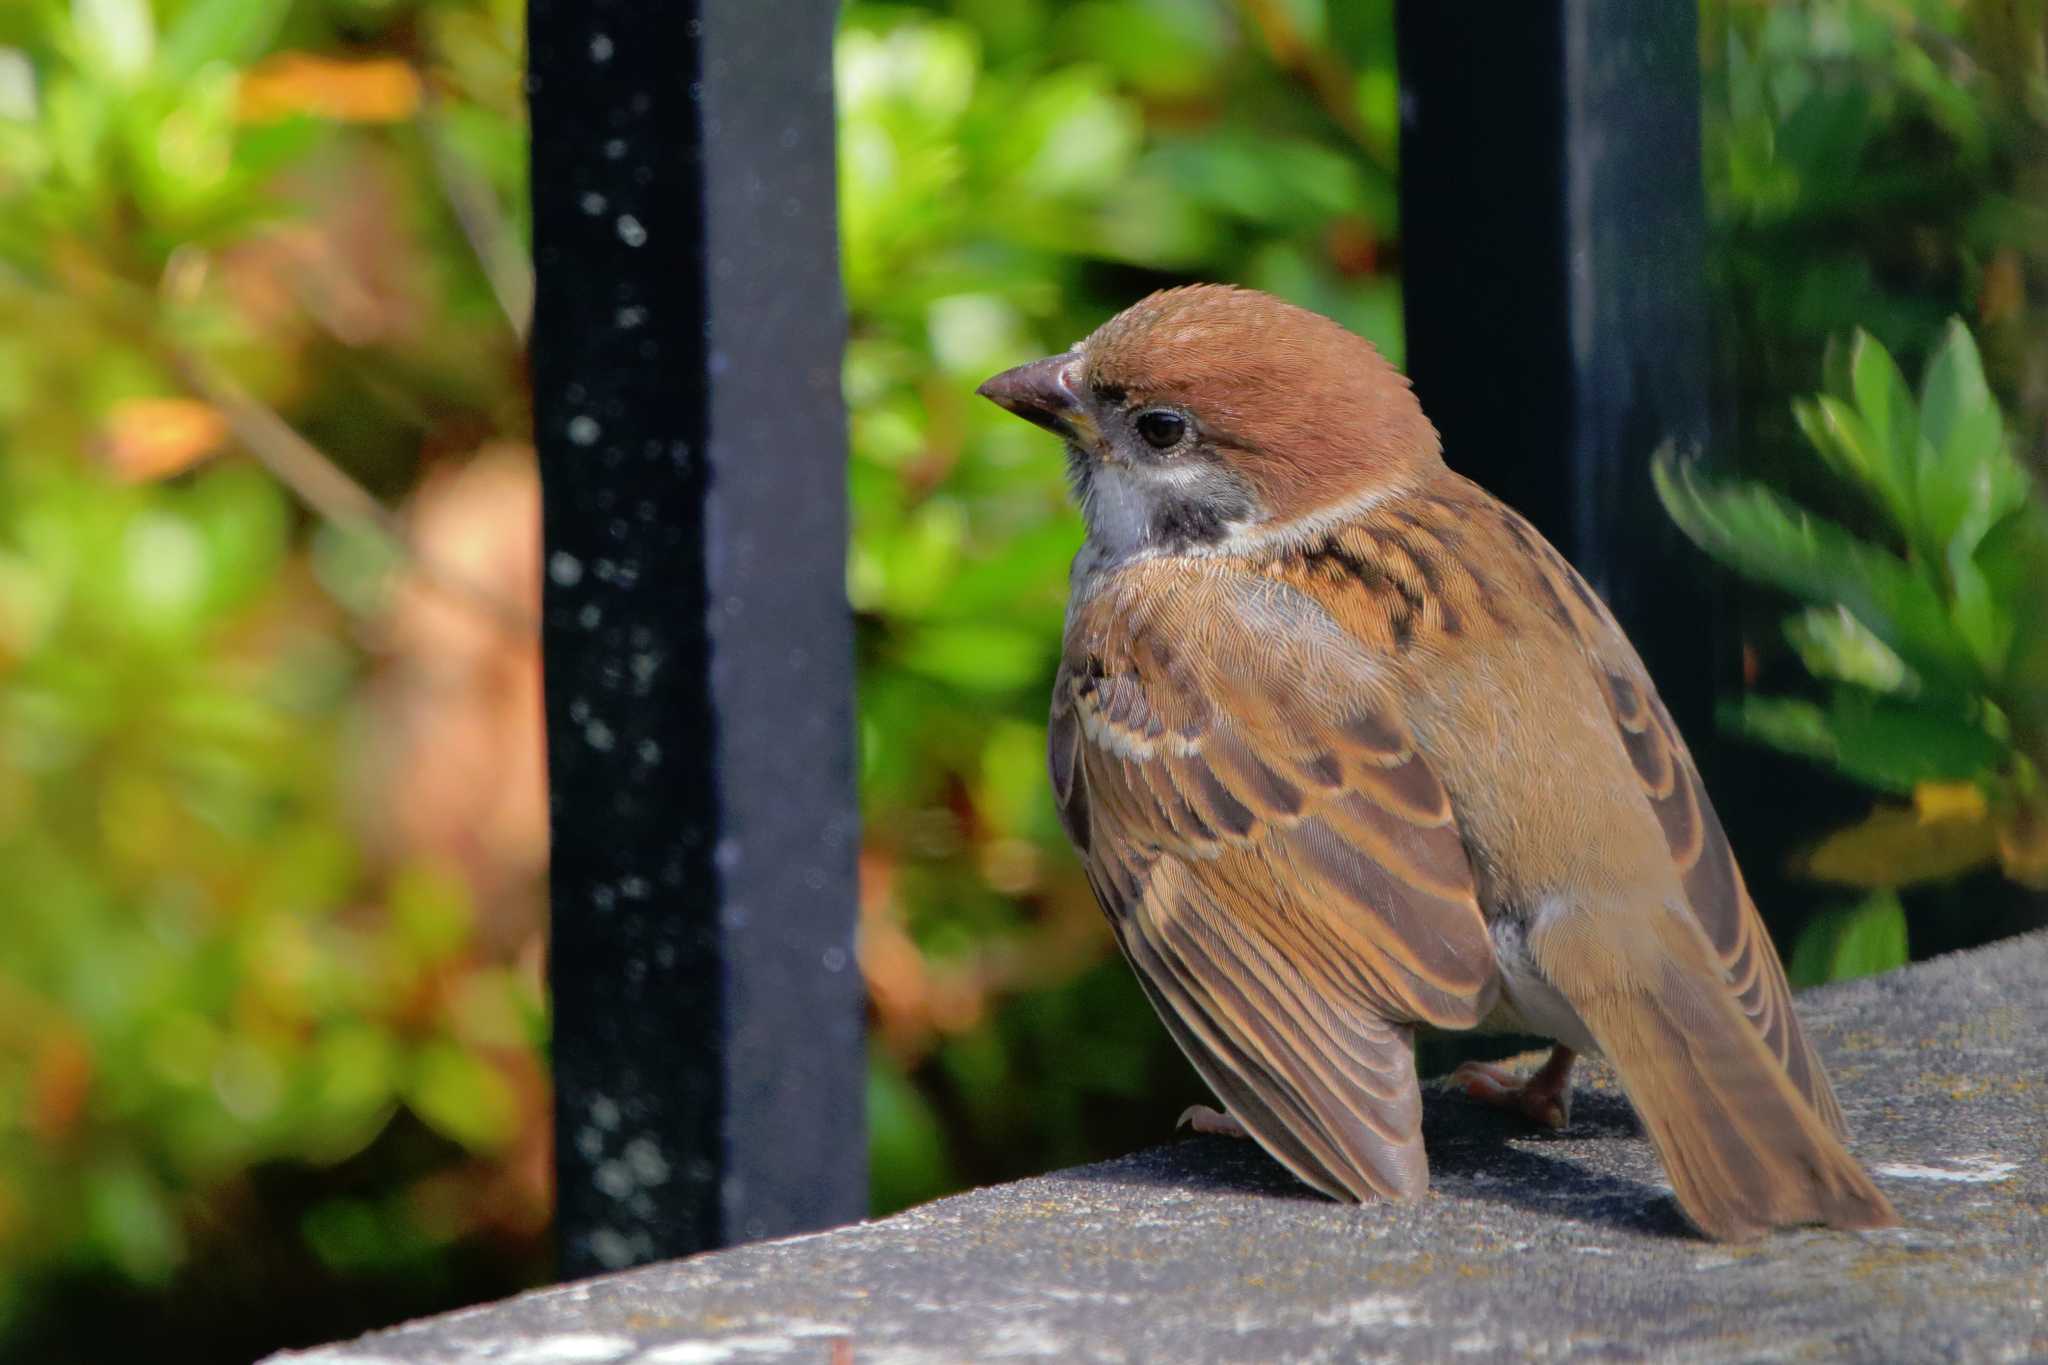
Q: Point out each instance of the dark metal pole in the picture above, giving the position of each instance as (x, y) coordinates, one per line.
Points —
(687, 332)
(1554, 244)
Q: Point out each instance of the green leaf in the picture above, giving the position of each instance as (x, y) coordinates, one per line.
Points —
(980, 658)
(1967, 479)
(908, 1158)
(1890, 744)
(1859, 940)
(431, 912)
(1838, 435)
(1984, 622)
(1793, 727)
(1898, 744)
(247, 525)
(1766, 537)
(2013, 558)
(1886, 406)
(231, 31)
(130, 1222)
(1952, 391)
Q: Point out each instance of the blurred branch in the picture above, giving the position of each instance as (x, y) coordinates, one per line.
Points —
(1317, 71)
(482, 220)
(325, 487)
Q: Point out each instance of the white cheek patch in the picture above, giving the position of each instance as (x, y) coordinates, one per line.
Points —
(1126, 503)
(1119, 510)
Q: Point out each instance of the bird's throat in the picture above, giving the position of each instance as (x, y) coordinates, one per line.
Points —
(1171, 508)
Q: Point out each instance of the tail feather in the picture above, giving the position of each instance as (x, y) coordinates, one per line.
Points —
(1745, 1151)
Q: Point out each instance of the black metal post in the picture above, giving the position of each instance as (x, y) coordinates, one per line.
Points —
(688, 322)
(1554, 239)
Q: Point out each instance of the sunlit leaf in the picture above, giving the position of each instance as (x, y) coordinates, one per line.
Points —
(462, 1096)
(119, 36)
(1834, 644)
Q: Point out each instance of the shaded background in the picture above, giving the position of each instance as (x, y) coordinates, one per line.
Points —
(272, 1034)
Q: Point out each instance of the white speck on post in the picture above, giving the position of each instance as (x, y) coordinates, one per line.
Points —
(644, 1159)
(612, 1250)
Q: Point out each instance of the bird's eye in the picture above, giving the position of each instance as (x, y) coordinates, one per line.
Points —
(1161, 429)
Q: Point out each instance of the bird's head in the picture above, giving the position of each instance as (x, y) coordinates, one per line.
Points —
(1216, 417)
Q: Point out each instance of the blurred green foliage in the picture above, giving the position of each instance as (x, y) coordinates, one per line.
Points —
(1931, 639)
(1877, 169)
(270, 1040)
(1013, 173)
(248, 1031)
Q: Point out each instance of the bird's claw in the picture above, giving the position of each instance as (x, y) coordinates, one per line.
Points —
(1544, 1099)
(1202, 1119)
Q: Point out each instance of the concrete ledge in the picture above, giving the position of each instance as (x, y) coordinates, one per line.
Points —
(1533, 1246)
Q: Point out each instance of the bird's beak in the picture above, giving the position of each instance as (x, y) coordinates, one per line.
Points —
(1046, 393)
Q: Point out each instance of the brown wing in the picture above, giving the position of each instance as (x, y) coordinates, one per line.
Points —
(1713, 886)
(1699, 847)
(1287, 878)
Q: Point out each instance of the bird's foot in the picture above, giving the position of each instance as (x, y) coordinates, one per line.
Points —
(1203, 1119)
(1544, 1098)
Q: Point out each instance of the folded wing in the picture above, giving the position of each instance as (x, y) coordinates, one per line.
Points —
(1288, 879)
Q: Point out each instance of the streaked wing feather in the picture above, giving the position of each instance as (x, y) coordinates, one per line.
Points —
(1294, 894)
(1699, 847)
(1714, 886)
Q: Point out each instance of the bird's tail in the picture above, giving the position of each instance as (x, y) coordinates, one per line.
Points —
(1744, 1150)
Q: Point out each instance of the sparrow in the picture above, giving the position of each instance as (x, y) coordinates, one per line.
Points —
(1350, 751)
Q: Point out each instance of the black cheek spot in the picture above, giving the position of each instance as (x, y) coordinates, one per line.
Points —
(1181, 524)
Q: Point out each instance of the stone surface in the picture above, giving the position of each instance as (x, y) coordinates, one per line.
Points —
(1532, 1246)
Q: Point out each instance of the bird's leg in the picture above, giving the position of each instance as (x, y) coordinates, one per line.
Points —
(1203, 1119)
(1544, 1098)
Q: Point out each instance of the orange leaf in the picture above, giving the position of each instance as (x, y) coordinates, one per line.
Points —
(154, 438)
(379, 90)
(58, 1089)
